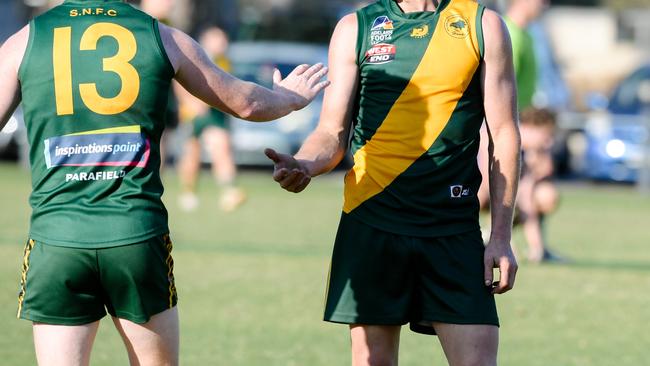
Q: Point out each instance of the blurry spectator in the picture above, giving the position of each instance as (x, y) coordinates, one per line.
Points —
(537, 195)
(211, 127)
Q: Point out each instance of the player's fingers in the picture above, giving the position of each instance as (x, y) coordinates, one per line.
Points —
(280, 174)
(322, 85)
(512, 274)
(300, 69)
(272, 154)
(313, 70)
(504, 278)
(314, 79)
(291, 179)
(277, 77)
(488, 270)
(302, 184)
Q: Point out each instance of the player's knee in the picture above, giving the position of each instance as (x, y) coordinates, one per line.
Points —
(546, 197)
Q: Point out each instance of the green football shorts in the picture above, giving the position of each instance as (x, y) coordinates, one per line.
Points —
(213, 118)
(74, 286)
(381, 278)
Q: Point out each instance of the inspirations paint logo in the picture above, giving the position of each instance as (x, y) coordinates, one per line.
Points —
(120, 146)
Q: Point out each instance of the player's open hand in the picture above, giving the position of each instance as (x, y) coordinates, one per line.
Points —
(302, 84)
(290, 173)
(498, 254)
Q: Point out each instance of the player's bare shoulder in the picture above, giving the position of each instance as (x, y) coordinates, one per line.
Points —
(344, 38)
(495, 33)
(13, 49)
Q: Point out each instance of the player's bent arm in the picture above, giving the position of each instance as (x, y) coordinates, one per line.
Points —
(11, 55)
(203, 79)
(501, 117)
(326, 146)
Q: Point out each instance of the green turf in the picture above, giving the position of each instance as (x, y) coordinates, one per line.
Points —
(251, 283)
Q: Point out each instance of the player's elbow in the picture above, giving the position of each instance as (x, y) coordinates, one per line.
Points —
(250, 111)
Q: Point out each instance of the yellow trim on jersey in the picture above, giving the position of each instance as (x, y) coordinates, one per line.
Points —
(123, 129)
(422, 111)
(23, 275)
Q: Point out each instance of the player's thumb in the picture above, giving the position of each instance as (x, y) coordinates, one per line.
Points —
(488, 275)
(277, 77)
(271, 154)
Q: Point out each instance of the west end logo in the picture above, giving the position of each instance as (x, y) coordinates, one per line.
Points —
(457, 26)
(381, 53)
(381, 30)
(420, 32)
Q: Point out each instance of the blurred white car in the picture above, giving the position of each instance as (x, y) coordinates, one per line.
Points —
(255, 61)
(618, 136)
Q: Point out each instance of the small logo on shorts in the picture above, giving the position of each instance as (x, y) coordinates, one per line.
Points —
(458, 191)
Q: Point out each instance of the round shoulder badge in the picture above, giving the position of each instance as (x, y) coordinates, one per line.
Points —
(457, 26)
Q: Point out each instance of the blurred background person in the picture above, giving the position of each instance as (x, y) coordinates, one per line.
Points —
(211, 129)
(537, 195)
(518, 16)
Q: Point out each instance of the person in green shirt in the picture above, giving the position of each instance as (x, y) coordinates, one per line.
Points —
(519, 15)
(94, 78)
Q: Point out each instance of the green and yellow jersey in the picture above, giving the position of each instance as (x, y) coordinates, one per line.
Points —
(418, 114)
(95, 81)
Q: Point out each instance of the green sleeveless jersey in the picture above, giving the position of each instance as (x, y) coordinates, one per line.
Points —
(418, 114)
(95, 80)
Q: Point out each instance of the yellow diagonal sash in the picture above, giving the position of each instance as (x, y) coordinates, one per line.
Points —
(422, 111)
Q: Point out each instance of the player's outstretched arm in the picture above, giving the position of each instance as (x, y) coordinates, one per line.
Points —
(326, 146)
(198, 74)
(11, 55)
(500, 105)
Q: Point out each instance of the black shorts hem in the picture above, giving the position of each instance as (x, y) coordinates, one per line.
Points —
(356, 319)
(418, 327)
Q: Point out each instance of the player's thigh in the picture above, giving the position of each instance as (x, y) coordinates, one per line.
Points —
(155, 342)
(59, 285)
(138, 279)
(370, 279)
(469, 344)
(374, 344)
(68, 345)
(217, 141)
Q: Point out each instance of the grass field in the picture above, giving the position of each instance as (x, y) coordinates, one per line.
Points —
(251, 283)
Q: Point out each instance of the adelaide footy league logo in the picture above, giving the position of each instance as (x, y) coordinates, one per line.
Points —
(457, 26)
(381, 30)
(381, 53)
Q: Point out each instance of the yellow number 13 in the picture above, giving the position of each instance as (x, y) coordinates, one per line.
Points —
(119, 64)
